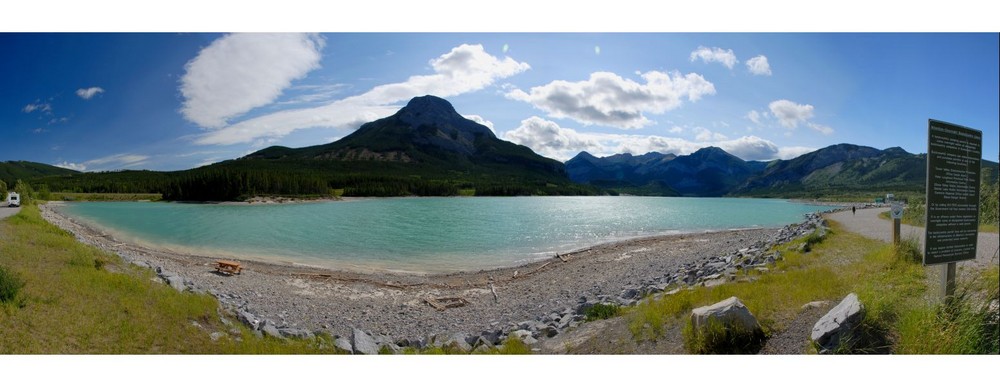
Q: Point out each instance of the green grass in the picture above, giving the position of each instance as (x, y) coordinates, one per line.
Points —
(966, 327)
(78, 299)
(602, 311)
(903, 315)
(104, 197)
(777, 296)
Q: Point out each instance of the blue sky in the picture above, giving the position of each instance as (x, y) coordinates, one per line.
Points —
(174, 101)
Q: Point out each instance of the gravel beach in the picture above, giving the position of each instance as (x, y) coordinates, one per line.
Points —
(393, 305)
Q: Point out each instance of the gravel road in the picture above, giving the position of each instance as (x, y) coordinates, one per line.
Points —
(8, 211)
(866, 222)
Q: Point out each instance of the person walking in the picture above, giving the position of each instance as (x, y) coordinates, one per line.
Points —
(854, 210)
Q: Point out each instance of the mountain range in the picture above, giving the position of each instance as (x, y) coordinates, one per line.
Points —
(714, 172)
(429, 149)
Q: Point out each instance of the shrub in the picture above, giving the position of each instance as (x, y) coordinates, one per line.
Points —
(602, 311)
(10, 285)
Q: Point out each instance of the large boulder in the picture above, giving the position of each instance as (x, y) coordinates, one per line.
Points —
(836, 327)
(724, 327)
(730, 313)
(363, 343)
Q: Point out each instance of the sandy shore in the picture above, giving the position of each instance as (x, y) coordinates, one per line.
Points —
(394, 305)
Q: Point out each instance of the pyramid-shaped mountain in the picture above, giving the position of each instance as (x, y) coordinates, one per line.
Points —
(429, 132)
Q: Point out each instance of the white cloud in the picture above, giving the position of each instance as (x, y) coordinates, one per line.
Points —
(42, 107)
(113, 162)
(608, 99)
(464, 69)
(89, 92)
(597, 50)
(551, 140)
(826, 130)
(676, 130)
(792, 152)
(481, 121)
(790, 114)
(758, 65)
(715, 54)
(314, 93)
(239, 72)
(754, 116)
(39, 130)
(705, 135)
(73, 166)
(118, 161)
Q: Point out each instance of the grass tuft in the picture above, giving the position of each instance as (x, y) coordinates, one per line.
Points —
(716, 338)
(602, 312)
(10, 285)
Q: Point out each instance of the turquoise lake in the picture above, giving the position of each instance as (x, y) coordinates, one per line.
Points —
(429, 235)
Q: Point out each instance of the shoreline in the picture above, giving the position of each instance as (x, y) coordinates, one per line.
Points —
(502, 300)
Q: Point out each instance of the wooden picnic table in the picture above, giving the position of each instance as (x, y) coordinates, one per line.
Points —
(228, 267)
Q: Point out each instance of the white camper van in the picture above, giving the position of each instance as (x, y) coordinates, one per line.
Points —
(13, 199)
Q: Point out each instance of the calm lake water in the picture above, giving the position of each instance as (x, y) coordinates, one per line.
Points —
(431, 235)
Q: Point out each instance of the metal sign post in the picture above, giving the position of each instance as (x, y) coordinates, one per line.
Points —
(897, 216)
(952, 225)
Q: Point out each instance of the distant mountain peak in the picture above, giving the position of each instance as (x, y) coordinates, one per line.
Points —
(429, 104)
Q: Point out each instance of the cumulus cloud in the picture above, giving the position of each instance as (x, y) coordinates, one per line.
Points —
(73, 166)
(790, 114)
(702, 134)
(89, 92)
(38, 106)
(464, 69)
(715, 54)
(758, 65)
(481, 121)
(754, 116)
(239, 72)
(551, 140)
(608, 99)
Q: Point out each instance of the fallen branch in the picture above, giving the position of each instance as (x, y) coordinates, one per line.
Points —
(496, 298)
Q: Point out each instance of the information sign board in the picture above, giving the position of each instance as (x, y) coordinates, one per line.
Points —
(953, 161)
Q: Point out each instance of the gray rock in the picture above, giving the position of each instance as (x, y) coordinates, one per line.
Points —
(215, 336)
(493, 337)
(453, 340)
(248, 318)
(270, 329)
(174, 280)
(524, 336)
(836, 327)
(363, 343)
(730, 312)
(630, 294)
(297, 333)
(342, 343)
